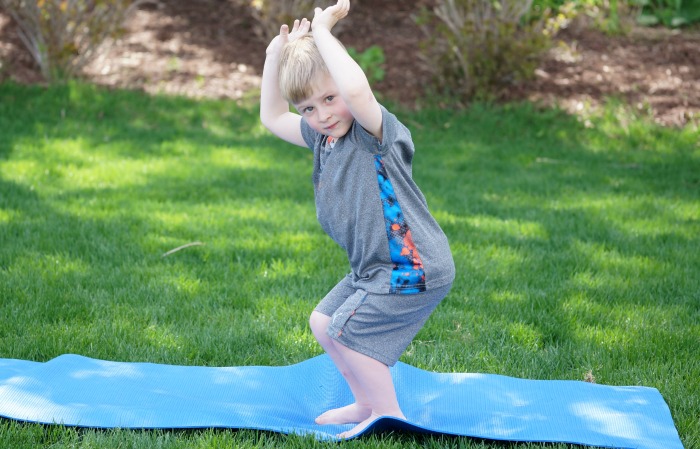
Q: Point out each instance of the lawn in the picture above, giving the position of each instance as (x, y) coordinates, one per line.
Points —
(577, 246)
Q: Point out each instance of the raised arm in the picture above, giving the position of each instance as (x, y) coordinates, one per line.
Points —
(347, 74)
(274, 109)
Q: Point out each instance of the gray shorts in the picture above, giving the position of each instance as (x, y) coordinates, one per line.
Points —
(380, 326)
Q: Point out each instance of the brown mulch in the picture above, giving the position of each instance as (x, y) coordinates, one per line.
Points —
(207, 48)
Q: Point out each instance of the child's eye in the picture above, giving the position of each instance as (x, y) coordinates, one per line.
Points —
(329, 98)
(308, 110)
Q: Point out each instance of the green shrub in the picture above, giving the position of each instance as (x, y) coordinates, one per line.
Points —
(476, 48)
(613, 17)
(617, 16)
(670, 13)
(371, 61)
(65, 35)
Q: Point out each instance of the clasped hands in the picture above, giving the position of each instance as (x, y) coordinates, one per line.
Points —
(323, 19)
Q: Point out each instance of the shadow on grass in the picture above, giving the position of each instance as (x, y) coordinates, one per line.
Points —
(97, 284)
(140, 123)
(81, 259)
(557, 229)
(566, 238)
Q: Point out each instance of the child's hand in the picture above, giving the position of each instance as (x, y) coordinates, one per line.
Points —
(299, 29)
(327, 18)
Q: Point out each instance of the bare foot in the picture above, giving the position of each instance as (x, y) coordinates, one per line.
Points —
(363, 425)
(345, 415)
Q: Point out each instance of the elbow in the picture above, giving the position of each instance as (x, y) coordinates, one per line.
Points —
(266, 120)
(360, 95)
(268, 112)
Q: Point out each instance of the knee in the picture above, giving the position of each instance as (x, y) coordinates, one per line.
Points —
(319, 323)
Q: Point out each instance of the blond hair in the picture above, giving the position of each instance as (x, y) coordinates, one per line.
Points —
(300, 64)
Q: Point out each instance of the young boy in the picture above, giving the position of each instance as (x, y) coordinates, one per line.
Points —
(367, 202)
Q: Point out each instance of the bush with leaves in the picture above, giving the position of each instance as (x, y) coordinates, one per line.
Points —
(476, 48)
(371, 61)
(613, 17)
(65, 35)
(670, 13)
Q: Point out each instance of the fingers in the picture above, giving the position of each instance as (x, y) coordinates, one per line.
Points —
(339, 10)
(328, 17)
(300, 26)
(283, 38)
(343, 7)
(304, 26)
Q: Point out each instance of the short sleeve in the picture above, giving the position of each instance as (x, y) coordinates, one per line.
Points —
(392, 131)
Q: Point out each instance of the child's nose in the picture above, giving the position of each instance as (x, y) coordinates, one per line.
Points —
(323, 114)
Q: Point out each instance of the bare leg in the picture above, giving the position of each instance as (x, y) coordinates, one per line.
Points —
(360, 410)
(376, 383)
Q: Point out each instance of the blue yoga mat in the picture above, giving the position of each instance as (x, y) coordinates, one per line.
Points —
(78, 391)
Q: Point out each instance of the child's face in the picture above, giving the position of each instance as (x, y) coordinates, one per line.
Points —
(325, 110)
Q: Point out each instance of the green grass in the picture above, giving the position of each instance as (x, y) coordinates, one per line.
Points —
(577, 248)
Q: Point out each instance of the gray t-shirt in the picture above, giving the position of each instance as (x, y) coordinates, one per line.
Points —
(367, 202)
